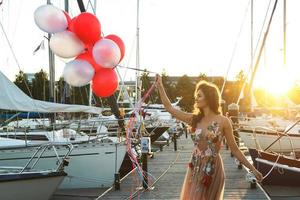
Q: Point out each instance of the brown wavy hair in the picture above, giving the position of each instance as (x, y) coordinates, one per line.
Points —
(212, 97)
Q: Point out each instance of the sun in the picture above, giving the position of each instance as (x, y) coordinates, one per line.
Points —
(276, 82)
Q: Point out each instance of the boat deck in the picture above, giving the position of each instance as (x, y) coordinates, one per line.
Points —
(169, 167)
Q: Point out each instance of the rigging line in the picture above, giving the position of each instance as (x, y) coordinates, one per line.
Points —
(20, 8)
(93, 8)
(130, 54)
(14, 56)
(235, 47)
(125, 90)
(262, 45)
(141, 70)
(261, 30)
(255, 50)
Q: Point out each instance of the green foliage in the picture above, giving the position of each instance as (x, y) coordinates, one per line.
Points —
(40, 86)
(241, 77)
(202, 76)
(146, 84)
(21, 81)
(185, 89)
(169, 87)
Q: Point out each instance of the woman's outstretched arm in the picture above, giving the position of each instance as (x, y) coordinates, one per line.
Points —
(228, 132)
(178, 114)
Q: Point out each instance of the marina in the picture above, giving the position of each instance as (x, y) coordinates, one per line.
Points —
(83, 118)
(169, 168)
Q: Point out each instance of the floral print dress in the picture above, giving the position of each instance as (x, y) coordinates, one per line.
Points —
(204, 179)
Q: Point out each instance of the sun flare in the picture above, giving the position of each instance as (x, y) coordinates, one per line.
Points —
(276, 82)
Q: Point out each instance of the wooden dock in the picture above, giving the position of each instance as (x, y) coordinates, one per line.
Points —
(169, 168)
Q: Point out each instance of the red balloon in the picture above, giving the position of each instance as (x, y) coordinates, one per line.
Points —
(68, 19)
(88, 56)
(119, 42)
(87, 28)
(105, 82)
(71, 25)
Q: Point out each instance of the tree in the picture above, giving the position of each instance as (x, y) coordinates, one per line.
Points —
(40, 86)
(202, 76)
(169, 87)
(80, 95)
(238, 90)
(146, 84)
(22, 82)
(241, 77)
(294, 94)
(185, 89)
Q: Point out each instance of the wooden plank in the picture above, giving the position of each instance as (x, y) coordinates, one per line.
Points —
(174, 165)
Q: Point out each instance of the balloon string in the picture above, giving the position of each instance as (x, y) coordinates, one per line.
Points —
(133, 119)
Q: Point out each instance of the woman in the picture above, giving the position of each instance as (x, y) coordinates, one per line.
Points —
(205, 175)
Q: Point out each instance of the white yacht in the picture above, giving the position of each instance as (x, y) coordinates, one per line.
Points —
(21, 181)
(94, 160)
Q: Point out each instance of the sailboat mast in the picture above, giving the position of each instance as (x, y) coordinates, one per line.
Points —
(262, 46)
(51, 74)
(67, 6)
(51, 68)
(94, 8)
(251, 57)
(137, 72)
(251, 42)
(284, 32)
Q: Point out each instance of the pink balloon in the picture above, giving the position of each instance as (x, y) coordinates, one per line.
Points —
(106, 53)
(105, 82)
(50, 19)
(87, 27)
(78, 73)
(119, 42)
(66, 44)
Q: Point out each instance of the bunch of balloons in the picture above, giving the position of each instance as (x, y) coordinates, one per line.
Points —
(80, 38)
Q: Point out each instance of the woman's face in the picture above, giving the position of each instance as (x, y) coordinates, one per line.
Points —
(200, 99)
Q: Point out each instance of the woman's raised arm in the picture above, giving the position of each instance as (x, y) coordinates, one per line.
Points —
(178, 114)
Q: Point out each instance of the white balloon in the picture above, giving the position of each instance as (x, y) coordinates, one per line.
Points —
(50, 19)
(106, 53)
(78, 72)
(66, 44)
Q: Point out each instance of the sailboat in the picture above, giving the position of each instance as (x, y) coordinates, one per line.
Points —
(260, 137)
(21, 182)
(266, 146)
(92, 158)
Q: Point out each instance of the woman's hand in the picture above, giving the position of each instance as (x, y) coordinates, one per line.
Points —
(258, 176)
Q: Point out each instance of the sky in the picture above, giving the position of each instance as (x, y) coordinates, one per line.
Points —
(178, 36)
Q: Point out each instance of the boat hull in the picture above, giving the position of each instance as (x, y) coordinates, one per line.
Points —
(91, 164)
(286, 171)
(262, 140)
(39, 186)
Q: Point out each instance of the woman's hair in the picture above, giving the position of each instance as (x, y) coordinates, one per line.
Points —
(212, 97)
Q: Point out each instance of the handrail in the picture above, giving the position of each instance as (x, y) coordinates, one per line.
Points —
(284, 133)
(279, 133)
(42, 150)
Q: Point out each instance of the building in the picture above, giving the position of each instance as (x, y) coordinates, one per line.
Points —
(30, 77)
